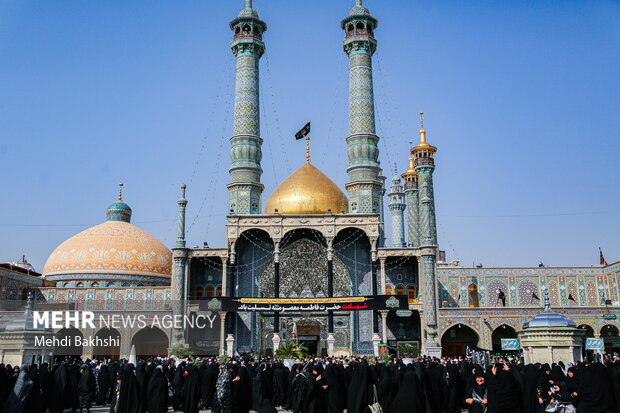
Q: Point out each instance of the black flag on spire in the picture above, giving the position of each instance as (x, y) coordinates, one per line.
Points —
(303, 132)
(535, 297)
(601, 257)
(571, 298)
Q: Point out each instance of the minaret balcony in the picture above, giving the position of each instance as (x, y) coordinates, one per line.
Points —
(423, 161)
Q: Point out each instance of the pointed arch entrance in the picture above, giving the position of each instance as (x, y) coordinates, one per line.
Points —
(455, 339)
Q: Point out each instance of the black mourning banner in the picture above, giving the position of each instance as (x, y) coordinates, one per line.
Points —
(256, 304)
(303, 132)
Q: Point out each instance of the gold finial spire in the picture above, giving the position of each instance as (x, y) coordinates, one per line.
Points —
(422, 130)
(307, 149)
(120, 192)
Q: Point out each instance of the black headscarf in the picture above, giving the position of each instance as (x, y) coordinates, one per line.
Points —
(280, 375)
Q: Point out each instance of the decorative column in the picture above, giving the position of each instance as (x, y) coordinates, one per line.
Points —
(222, 350)
(331, 339)
(411, 195)
(245, 171)
(376, 338)
(180, 254)
(424, 161)
(397, 206)
(276, 293)
(364, 184)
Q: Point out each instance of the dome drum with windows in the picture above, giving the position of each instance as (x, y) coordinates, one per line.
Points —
(112, 254)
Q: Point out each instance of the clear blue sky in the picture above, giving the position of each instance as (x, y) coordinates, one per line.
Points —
(521, 98)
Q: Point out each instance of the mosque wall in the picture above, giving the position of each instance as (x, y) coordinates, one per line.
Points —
(14, 284)
(469, 297)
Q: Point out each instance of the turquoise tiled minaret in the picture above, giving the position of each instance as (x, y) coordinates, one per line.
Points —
(364, 184)
(424, 162)
(397, 209)
(245, 172)
(410, 178)
(180, 256)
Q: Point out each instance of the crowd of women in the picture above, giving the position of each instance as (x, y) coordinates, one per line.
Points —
(315, 385)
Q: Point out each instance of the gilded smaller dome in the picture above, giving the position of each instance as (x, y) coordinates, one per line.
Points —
(307, 191)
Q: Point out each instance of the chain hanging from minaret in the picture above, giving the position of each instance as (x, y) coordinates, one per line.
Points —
(245, 171)
(365, 183)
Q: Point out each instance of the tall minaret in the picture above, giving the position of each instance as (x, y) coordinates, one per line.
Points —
(364, 184)
(424, 162)
(245, 171)
(397, 207)
(411, 195)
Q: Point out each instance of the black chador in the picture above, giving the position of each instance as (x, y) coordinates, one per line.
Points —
(242, 390)
(143, 380)
(86, 389)
(208, 378)
(317, 397)
(104, 382)
(191, 392)
(358, 396)
(280, 375)
(336, 392)
(129, 393)
(476, 398)
(503, 391)
(157, 392)
(61, 392)
(19, 395)
(177, 385)
(596, 390)
(405, 400)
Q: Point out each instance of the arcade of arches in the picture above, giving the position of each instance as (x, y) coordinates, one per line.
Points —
(148, 342)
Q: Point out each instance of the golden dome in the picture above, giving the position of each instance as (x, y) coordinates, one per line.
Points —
(307, 191)
(112, 248)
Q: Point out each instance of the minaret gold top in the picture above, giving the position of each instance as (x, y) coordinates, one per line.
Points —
(423, 145)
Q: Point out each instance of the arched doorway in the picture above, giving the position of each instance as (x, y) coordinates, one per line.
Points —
(589, 330)
(150, 342)
(503, 331)
(455, 339)
(69, 343)
(612, 342)
(108, 347)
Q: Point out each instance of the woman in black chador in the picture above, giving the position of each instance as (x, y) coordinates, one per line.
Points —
(280, 375)
(317, 397)
(86, 388)
(336, 391)
(18, 398)
(476, 398)
(358, 394)
(504, 393)
(191, 393)
(177, 385)
(128, 399)
(596, 390)
(242, 390)
(406, 401)
(157, 392)
(208, 377)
